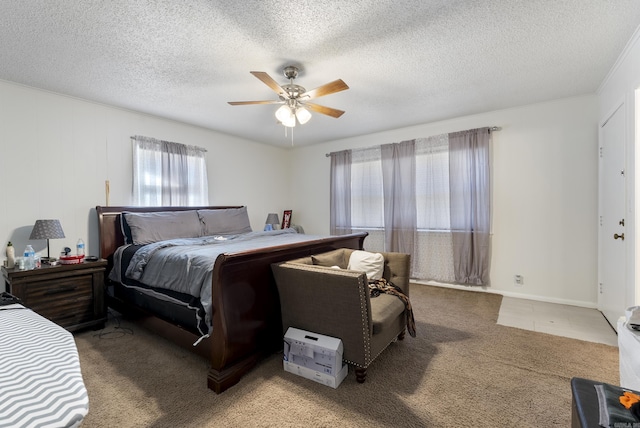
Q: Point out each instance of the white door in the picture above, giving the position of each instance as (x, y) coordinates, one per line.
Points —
(612, 243)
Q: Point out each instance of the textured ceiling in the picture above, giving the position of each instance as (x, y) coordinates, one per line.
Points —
(406, 62)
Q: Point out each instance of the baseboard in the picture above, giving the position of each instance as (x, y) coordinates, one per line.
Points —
(484, 289)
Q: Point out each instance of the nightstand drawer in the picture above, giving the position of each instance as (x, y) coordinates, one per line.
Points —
(66, 301)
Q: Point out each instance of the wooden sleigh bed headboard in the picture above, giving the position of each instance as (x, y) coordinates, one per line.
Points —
(246, 318)
(110, 226)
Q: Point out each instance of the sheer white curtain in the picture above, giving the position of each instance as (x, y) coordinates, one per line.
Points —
(433, 252)
(367, 199)
(399, 194)
(168, 174)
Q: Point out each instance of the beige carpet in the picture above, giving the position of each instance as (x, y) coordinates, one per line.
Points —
(463, 370)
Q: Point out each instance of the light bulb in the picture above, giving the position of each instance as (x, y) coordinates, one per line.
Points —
(285, 115)
(303, 115)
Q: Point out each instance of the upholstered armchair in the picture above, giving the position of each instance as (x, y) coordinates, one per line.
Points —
(317, 297)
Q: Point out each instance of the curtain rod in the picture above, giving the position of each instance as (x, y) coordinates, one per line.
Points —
(493, 129)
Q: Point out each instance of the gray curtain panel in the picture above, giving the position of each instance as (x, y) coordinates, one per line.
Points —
(470, 202)
(399, 189)
(340, 199)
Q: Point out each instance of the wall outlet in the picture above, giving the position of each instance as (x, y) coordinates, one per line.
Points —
(518, 280)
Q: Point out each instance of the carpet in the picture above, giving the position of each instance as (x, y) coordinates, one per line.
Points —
(462, 370)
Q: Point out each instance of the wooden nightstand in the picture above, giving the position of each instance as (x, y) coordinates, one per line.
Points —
(72, 296)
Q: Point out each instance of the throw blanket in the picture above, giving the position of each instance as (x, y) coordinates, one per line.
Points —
(383, 286)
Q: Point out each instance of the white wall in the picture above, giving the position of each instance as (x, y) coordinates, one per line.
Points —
(619, 89)
(56, 153)
(544, 172)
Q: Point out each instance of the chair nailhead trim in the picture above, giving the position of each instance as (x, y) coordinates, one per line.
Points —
(364, 288)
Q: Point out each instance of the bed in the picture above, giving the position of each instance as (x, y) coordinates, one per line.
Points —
(244, 310)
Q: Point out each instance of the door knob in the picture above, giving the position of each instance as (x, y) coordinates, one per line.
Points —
(616, 236)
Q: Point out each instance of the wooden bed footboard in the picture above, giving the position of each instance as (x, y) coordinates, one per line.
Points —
(246, 307)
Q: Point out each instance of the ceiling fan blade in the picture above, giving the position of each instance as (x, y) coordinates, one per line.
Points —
(268, 80)
(324, 110)
(329, 88)
(244, 103)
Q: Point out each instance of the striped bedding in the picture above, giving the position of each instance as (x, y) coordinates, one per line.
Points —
(40, 380)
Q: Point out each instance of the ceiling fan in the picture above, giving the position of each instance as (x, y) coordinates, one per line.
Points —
(295, 98)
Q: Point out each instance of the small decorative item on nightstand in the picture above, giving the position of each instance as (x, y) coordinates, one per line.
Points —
(272, 222)
(71, 260)
(286, 219)
(11, 255)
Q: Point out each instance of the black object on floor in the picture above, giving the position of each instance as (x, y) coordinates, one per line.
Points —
(8, 299)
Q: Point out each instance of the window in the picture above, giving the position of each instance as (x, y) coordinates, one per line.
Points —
(367, 201)
(168, 174)
(432, 183)
(432, 186)
(429, 197)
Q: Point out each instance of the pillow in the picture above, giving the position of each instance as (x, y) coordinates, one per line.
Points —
(333, 258)
(125, 229)
(370, 263)
(227, 221)
(146, 228)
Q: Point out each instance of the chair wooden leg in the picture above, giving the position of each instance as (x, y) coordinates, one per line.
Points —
(361, 375)
(401, 335)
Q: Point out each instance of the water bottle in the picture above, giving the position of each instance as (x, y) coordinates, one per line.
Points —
(29, 258)
(32, 257)
(80, 247)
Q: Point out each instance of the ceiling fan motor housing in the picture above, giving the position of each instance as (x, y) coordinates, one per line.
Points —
(290, 72)
(294, 91)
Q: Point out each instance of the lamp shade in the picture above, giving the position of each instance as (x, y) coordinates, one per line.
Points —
(47, 229)
(303, 115)
(285, 115)
(272, 218)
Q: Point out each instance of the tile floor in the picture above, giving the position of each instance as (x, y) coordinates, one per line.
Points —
(561, 320)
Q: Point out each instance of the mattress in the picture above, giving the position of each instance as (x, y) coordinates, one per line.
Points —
(179, 271)
(178, 308)
(41, 383)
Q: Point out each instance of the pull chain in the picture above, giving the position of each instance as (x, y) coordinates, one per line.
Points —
(286, 130)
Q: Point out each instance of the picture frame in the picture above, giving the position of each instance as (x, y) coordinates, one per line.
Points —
(286, 219)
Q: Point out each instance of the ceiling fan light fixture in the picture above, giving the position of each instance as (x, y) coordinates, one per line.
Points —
(294, 97)
(303, 115)
(290, 123)
(285, 116)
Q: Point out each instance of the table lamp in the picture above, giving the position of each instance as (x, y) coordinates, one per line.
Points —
(47, 229)
(272, 222)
